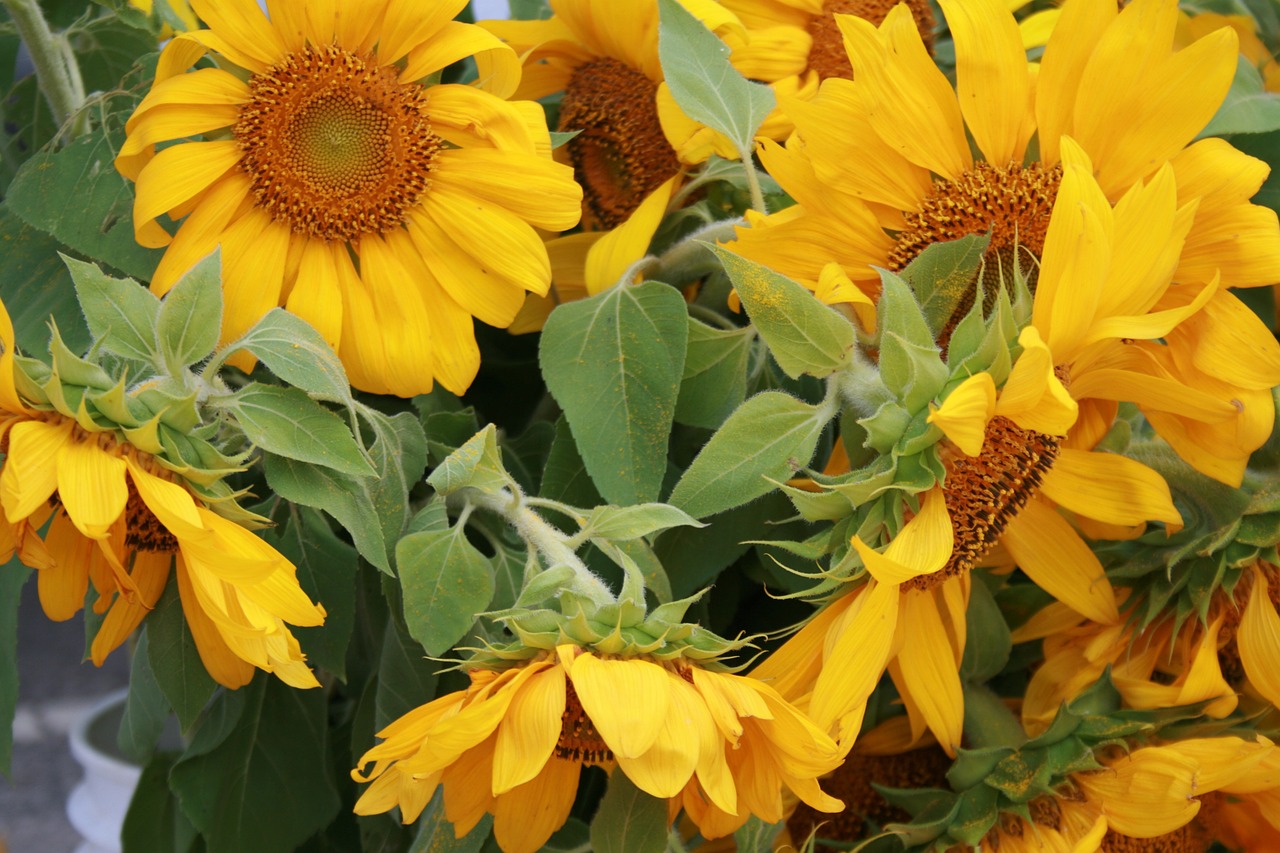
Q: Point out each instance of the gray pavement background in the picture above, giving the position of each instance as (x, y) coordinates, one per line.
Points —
(55, 687)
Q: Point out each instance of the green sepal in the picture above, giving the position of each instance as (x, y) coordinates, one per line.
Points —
(477, 464)
(943, 275)
(190, 317)
(910, 361)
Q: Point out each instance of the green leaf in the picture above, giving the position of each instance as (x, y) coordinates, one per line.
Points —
(756, 836)
(987, 650)
(295, 352)
(406, 677)
(436, 835)
(446, 583)
(1248, 107)
(12, 576)
(944, 275)
(326, 570)
(76, 194)
(266, 787)
(708, 89)
(286, 422)
(715, 375)
(565, 477)
(769, 438)
(805, 336)
(910, 361)
(613, 362)
(175, 662)
(629, 820)
(155, 822)
(145, 709)
(121, 313)
(36, 286)
(191, 314)
(633, 522)
(477, 464)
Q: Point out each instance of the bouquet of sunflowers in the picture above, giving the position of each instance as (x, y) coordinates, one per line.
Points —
(655, 425)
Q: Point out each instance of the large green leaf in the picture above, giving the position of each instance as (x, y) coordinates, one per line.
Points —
(121, 313)
(614, 363)
(286, 422)
(266, 786)
(769, 438)
(146, 708)
(629, 820)
(436, 834)
(191, 314)
(12, 576)
(406, 676)
(155, 822)
(805, 336)
(706, 86)
(295, 352)
(1248, 107)
(36, 286)
(175, 662)
(446, 582)
(326, 570)
(715, 375)
(76, 194)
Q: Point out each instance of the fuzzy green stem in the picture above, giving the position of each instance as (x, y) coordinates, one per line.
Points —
(753, 180)
(861, 385)
(549, 542)
(57, 71)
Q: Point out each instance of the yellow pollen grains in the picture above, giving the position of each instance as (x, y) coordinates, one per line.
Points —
(335, 146)
(827, 55)
(620, 154)
(983, 492)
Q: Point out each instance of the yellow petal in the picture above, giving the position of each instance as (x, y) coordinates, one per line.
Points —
(497, 65)
(793, 667)
(922, 547)
(963, 416)
(1054, 556)
(63, 584)
(929, 669)
(1033, 396)
(862, 649)
(626, 700)
(835, 288)
(1067, 53)
(222, 664)
(528, 734)
(993, 84)
(537, 189)
(1259, 639)
(242, 23)
(201, 231)
(524, 818)
(91, 486)
(317, 295)
(1146, 793)
(30, 474)
(178, 174)
(622, 247)
(666, 767)
(1110, 488)
(151, 573)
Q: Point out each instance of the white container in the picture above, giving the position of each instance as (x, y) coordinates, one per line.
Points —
(97, 805)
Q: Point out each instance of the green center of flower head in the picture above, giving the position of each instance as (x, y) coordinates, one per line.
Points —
(335, 146)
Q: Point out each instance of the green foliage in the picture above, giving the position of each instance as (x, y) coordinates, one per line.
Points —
(12, 576)
(709, 89)
(286, 422)
(614, 364)
(446, 582)
(1248, 107)
(155, 822)
(805, 336)
(257, 779)
(764, 442)
(715, 374)
(174, 661)
(185, 331)
(146, 708)
(296, 354)
(629, 820)
(120, 313)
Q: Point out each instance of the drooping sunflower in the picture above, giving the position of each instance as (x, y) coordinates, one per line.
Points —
(632, 136)
(1014, 456)
(1178, 796)
(513, 744)
(386, 211)
(881, 166)
(120, 519)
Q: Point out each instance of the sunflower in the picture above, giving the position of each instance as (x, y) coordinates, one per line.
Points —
(1178, 796)
(881, 166)
(120, 519)
(632, 137)
(333, 175)
(514, 742)
(1252, 49)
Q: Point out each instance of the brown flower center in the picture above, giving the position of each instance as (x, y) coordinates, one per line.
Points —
(851, 782)
(579, 741)
(143, 531)
(335, 146)
(984, 492)
(1012, 202)
(1192, 838)
(827, 55)
(620, 154)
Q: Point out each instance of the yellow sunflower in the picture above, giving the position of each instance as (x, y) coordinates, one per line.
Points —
(1179, 796)
(881, 166)
(385, 211)
(120, 519)
(1193, 27)
(632, 137)
(1013, 456)
(513, 744)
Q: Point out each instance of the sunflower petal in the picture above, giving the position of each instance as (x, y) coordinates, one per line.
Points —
(963, 416)
(1259, 640)
(627, 701)
(1110, 488)
(529, 731)
(1057, 559)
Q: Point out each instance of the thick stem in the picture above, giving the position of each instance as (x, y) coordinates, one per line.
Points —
(753, 180)
(546, 540)
(56, 69)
